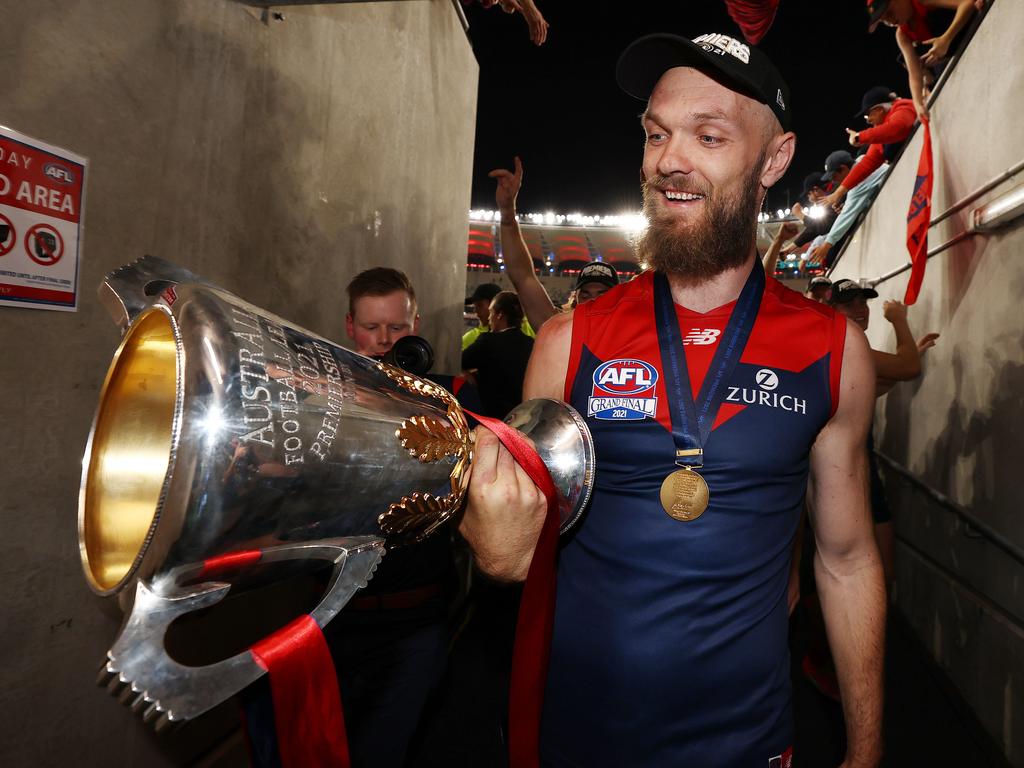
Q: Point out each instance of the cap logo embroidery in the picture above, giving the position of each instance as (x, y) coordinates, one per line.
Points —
(721, 44)
(778, 99)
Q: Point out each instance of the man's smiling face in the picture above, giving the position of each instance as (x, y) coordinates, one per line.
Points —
(704, 157)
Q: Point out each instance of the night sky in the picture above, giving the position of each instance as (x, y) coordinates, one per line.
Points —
(579, 136)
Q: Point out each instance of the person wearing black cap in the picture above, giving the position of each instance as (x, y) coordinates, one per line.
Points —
(891, 119)
(595, 279)
(819, 289)
(814, 188)
(669, 633)
(480, 300)
(838, 166)
(910, 17)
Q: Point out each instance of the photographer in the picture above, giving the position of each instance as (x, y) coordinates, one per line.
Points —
(390, 642)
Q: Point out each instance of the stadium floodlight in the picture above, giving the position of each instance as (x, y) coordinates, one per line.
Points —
(815, 211)
(780, 215)
(632, 222)
(549, 217)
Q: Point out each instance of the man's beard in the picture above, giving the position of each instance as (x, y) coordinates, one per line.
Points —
(721, 238)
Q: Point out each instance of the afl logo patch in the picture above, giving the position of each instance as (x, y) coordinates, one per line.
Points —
(624, 391)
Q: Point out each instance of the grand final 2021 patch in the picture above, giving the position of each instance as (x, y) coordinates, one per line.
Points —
(624, 391)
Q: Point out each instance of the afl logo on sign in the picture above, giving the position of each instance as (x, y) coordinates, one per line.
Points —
(624, 390)
(58, 173)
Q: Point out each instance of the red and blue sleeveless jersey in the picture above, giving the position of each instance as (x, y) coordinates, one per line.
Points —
(670, 638)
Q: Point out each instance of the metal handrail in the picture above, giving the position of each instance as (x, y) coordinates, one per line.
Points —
(988, 186)
(944, 501)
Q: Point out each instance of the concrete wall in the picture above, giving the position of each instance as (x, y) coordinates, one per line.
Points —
(959, 427)
(275, 159)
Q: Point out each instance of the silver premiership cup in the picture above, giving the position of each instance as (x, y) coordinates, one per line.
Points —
(231, 447)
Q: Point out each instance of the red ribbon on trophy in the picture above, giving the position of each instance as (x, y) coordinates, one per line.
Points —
(308, 716)
(536, 620)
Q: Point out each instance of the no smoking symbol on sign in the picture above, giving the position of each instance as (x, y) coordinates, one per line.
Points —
(44, 245)
(8, 237)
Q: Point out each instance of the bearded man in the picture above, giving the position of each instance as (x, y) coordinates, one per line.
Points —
(716, 399)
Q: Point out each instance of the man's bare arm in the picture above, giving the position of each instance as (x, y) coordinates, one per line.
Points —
(506, 510)
(915, 72)
(518, 262)
(906, 363)
(847, 566)
(771, 257)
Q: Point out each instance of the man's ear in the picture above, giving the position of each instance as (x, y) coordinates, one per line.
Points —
(416, 325)
(780, 153)
(350, 327)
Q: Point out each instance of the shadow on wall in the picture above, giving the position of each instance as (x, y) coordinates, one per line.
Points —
(987, 440)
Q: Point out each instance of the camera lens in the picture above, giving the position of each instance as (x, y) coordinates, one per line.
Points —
(411, 353)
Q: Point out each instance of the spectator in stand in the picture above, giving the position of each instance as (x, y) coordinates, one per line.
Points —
(837, 169)
(813, 192)
(910, 17)
(819, 289)
(500, 357)
(534, 20)
(519, 264)
(891, 119)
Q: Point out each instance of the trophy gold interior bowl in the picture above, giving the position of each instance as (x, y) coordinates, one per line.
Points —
(128, 458)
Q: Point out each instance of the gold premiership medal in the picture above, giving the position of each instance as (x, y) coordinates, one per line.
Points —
(684, 495)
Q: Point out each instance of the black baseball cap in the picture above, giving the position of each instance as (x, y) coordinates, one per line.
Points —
(812, 180)
(597, 272)
(834, 160)
(847, 290)
(730, 61)
(876, 8)
(879, 94)
(484, 292)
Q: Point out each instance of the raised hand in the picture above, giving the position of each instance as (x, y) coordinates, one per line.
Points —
(509, 183)
(926, 342)
(894, 311)
(536, 22)
(938, 51)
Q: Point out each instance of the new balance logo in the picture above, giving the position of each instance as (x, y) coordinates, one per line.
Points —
(701, 336)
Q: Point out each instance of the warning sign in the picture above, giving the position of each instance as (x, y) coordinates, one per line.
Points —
(42, 192)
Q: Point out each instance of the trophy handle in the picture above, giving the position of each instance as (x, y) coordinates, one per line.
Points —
(130, 289)
(143, 676)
